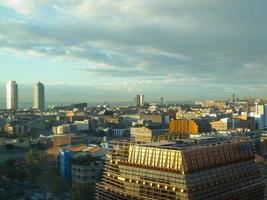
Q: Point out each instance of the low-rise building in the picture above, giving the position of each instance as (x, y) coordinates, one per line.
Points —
(86, 169)
(17, 129)
(235, 123)
(190, 126)
(154, 118)
(64, 129)
(119, 131)
(61, 140)
(82, 125)
(146, 134)
(81, 163)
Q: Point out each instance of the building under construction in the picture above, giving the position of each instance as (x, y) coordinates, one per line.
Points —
(196, 169)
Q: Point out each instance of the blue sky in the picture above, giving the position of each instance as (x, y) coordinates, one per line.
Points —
(110, 50)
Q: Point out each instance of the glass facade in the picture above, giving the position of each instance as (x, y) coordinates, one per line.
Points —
(221, 170)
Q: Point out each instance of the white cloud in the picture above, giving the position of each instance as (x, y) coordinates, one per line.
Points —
(172, 43)
(24, 7)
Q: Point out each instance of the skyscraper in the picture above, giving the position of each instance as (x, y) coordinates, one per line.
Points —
(38, 96)
(12, 95)
(161, 100)
(265, 116)
(140, 100)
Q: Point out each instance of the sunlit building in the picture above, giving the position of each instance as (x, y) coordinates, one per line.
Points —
(140, 100)
(12, 95)
(146, 134)
(191, 126)
(185, 170)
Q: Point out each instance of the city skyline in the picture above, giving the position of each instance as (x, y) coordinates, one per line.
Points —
(133, 99)
(196, 49)
(55, 92)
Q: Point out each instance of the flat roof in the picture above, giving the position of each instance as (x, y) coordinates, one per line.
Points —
(183, 144)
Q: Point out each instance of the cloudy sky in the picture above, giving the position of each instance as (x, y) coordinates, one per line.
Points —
(109, 50)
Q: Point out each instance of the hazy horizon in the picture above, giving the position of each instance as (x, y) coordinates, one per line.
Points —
(66, 94)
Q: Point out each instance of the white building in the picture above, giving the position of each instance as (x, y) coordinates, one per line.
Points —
(140, 100)
(64, 129)
(265, 116)
(82, 125)
(260, 115)
(12, 95)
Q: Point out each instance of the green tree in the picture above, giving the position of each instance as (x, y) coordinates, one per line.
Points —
(21, 174)
(81, 191)
(59, 185)
(9, 168)
(14, 171)
(50, 179)
(34, 157)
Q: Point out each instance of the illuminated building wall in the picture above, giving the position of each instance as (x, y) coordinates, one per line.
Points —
(183, 126)
(221, 170)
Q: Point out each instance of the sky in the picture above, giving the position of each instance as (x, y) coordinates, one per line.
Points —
(111, 50)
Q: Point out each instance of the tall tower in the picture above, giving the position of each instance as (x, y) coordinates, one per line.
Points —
(39, 96)
(265, 116)
(161, 100)
(234, 99)
(140, 100)
(12, 95)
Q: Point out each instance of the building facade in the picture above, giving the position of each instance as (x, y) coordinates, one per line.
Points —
(190, 126)
(81, 163)
(183, 126)
(227, 124)
(39, 96)
(12, 95)
(140, 100)
(218, 170)
(146, 134)
(64, 129)
(86, 170)
(17, 129)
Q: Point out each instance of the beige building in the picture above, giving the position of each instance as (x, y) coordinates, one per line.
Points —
(219, 125)
(210, 103)
(139, 134)
(146, 134)
(235, 123)
(158, 119)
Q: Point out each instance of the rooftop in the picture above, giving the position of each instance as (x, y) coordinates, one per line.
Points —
(184, 144)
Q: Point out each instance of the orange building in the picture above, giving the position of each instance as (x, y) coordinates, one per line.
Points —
(183, 126)
(59, 141)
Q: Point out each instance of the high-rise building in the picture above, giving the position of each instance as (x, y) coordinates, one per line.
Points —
(39, 96)
(12, 95)
(161, 100)
(265, 116)
(140, 100)
(185, 170)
